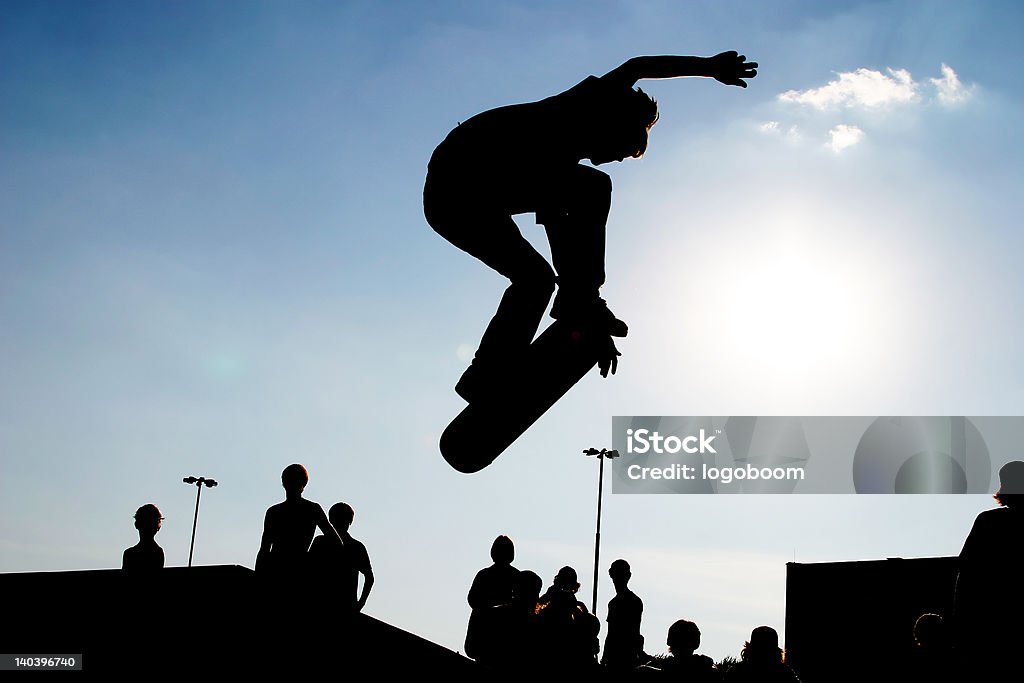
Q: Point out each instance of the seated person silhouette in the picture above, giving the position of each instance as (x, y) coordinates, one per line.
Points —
(146, 555)
(683, 664)
(623, 644)
(289, 527)
(492, 586)
(342, 566)
(989, 601)
(762, 660)
(524, 158)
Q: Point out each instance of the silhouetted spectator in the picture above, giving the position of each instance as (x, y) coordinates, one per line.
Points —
(289, 527)
(342, 565)
(569, 630)
(514, 641)
(762, 661)
(146, 555)
(683, 665)
(623, 644)
(931, 658)
(491, 587)
(989, 600)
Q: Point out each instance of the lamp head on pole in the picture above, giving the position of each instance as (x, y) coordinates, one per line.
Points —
(603, 453)
(200, 481)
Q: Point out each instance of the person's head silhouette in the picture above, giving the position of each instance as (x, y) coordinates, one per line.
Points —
(148, 520)
(294, 479)
(526, 588)
(620, 574)
(341, 515)
(503, 551)
(763, 646)
(565, 580)
(683, 638)
(621, 129)
(1011, 484)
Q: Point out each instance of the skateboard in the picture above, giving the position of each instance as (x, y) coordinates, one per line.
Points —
(554, 363)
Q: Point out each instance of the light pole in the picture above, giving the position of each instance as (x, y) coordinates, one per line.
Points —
(199, 482)
(601, 455)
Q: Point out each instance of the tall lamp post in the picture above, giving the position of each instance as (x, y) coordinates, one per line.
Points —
(199, 482)
(601, 455)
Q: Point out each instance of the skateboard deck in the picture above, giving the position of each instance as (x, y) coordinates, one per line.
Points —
(555, 362)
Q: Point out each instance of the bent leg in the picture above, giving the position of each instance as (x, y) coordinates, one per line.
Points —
(575, 219)
(495, 239)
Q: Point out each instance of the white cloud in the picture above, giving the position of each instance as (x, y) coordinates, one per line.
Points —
(951, 90)
(844, 136)
(861, 88)
(769, 126)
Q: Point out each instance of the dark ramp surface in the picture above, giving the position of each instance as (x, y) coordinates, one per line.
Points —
(860, 616)
(197, 620)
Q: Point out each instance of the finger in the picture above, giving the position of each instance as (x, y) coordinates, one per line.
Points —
(740, 58)
(615, 363)
(750, 65)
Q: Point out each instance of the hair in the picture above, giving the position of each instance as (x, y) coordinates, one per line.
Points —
(566, 579)
(619, 568)
(683, 636)
(294, 476)
(148, 516)
(343, 512)
(527, 584)
(503, 551)
(1011, 485)
(763, 647)
(637, 112)
(929, 630)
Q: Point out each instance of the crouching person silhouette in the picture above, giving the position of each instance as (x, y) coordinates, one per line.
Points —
(525, 158)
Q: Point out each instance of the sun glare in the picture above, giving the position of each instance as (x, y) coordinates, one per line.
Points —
(787, 309)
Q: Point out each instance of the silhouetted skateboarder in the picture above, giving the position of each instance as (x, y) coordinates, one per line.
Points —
(524, 158)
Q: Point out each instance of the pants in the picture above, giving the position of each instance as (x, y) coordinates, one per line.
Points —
(475, 214)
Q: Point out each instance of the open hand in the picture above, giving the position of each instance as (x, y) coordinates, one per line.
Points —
(607, 355)
(731, 68)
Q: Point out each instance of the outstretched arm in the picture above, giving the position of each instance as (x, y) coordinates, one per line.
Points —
(729, 68)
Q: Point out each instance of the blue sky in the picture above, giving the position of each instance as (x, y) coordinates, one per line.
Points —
(213, 261)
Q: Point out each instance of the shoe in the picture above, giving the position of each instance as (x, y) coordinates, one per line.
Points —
(468, 386)
(594, 313)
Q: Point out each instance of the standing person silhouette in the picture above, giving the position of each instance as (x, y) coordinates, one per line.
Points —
(289, 527)
(146, 555)
(989, 601)
(524, 158)
(623, 644)
(343, 565)
(492, 586)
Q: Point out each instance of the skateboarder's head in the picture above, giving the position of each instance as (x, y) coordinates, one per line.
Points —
(341, 516)
(294, 478)
(621, 129)
(148, 520)
(683, 638)
(502, 550)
